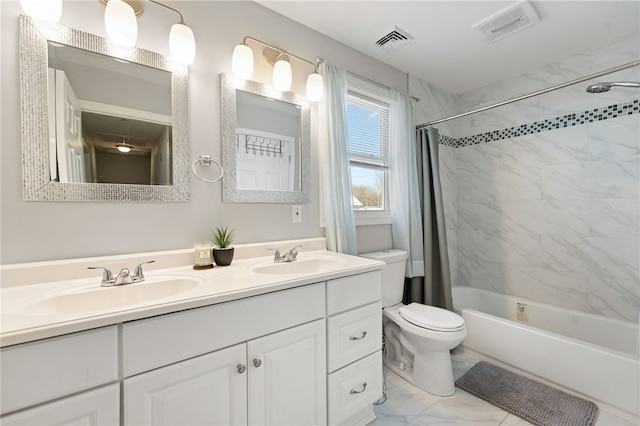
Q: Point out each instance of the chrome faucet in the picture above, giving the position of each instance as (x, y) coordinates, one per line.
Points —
(289, 256)
(277, 258)
(124, 277)
(292, 254)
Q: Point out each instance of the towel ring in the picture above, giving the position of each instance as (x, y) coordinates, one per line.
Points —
(206, 160)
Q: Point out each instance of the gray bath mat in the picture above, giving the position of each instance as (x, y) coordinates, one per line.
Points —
(533, 401)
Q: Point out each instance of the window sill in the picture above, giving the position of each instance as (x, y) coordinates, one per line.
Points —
(372, 218)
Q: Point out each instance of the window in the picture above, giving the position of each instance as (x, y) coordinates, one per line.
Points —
(368, 130)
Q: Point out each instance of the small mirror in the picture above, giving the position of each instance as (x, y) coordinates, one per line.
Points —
(98, 127)
(266, 146)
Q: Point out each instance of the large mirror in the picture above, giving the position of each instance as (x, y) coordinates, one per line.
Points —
(97, 127)
(265, 144)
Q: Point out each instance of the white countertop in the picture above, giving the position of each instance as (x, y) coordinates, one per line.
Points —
(217, 285)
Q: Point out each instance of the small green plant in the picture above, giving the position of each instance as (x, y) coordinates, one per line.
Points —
(222, 237)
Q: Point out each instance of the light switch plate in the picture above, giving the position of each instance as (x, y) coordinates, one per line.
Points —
(296, 214)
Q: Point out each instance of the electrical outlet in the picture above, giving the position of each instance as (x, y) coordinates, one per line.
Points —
(296, 213)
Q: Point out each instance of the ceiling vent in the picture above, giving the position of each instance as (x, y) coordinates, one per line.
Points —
(394, 40)
(507, 21)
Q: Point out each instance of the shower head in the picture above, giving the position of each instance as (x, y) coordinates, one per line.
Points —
(605, 87)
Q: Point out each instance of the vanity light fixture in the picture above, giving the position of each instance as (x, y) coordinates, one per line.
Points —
(43, 10)
(120, 23)
(242, 66)
(282, 74)
(122, 29)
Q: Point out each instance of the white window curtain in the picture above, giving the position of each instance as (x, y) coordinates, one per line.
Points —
(404, 193)
(336, 212)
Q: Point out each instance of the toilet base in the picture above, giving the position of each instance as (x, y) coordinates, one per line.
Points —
(430, 371)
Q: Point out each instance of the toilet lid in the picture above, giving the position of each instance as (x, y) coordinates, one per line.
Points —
(431, 317)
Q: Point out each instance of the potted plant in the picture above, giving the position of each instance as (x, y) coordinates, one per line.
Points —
(222, 252)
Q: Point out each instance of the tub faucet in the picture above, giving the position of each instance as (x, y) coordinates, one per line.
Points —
(124, 276)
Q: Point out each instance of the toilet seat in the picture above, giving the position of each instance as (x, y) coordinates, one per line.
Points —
(431, 318)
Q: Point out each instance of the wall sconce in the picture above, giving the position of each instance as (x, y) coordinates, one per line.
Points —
(122, 29)
(242, 66)
(43, 10)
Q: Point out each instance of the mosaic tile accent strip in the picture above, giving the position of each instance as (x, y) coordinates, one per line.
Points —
(569, 120)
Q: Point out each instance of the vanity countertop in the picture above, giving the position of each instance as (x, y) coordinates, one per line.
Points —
(22, 319)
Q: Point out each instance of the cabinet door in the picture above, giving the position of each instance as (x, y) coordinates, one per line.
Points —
(100, 407)
(287, 377)
(208, 390)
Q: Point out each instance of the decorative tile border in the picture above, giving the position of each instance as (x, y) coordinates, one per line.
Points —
(576, 119)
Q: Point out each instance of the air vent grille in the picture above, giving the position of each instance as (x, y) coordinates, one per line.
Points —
(394, 39)
(508, 21)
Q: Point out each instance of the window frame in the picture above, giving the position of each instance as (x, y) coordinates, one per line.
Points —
(366, 91)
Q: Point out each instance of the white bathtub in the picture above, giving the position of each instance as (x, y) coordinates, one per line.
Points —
(593, 355)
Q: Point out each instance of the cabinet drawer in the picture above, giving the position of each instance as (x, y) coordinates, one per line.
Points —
(159, 341)
(38, 371)
(353, 335)
(354, 388)
(100, 407)
(350, 292)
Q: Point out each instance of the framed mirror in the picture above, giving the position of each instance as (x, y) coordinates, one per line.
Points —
(97, 127)
(265, 144)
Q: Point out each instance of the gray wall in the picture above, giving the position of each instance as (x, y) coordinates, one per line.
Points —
(35, 231)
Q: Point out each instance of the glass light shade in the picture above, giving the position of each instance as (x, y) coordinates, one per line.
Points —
(315, 87)
(120, 23)
(282, 75)
(242, 61)
(44, 10)
(182, 44)
(123, 148)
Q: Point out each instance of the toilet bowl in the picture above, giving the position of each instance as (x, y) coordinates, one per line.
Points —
(418, 338)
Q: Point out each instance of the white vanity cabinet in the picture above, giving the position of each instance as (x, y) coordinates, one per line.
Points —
(99, 407)
(274, 372)
(354, 343)
(304, 355)
(277, 379)
(40, 371)
(209, 389)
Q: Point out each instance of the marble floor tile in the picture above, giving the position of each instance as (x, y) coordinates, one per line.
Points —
(408, 405)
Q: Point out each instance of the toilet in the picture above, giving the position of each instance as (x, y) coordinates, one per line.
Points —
(418, 337)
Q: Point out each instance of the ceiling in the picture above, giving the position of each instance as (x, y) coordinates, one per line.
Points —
(447, 51)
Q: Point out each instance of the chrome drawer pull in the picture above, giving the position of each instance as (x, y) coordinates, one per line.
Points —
(257, 362)
(364, 334)
(364, 386)
(241, 368)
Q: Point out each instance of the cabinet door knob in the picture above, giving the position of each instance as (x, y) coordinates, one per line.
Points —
(241, 368)
(353, 391)
(257, 362)
(362, 336)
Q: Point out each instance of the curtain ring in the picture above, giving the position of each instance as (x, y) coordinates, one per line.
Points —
(206, 160)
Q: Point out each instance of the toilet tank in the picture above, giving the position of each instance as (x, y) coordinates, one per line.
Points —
(392, 274)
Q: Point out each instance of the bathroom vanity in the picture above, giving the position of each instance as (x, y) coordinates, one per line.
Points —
(251, 343)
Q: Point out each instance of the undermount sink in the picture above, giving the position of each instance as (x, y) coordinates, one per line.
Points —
(300, 266)
(98, 298)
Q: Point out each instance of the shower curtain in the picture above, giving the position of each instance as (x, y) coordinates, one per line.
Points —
(435, 287)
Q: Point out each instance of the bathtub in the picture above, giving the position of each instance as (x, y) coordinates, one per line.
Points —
(590, 354)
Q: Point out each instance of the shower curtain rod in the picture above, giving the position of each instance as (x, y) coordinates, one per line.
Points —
(532, 94)
(376, 83)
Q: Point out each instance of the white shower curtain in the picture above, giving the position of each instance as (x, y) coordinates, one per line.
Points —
(336, 211)
(404, 194)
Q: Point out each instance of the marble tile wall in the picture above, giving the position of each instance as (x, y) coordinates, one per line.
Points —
(553, 215)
